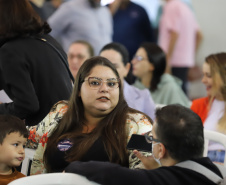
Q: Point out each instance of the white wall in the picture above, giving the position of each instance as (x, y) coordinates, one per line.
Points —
(211, 16)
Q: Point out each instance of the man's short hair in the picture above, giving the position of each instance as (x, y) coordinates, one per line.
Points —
(181, 132)
(10, 124)
(121, 49)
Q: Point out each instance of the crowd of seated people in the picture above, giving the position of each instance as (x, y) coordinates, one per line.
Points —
(74, 104)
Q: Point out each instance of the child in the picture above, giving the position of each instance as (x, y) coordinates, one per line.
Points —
(13, 137)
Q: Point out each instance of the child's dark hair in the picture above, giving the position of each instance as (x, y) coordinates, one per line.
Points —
(10, 124)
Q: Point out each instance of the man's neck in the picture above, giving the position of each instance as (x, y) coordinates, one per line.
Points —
(168, 162)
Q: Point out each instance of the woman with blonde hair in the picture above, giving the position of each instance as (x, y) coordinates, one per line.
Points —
(211, 109)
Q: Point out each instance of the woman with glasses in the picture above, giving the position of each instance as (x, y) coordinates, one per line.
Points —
(95, 124)
(149, 65)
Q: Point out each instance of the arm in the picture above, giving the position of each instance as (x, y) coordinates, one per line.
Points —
(107, 173)
(42, 132)
(148, 161)
(198, 40)
(173, 39)
(137, 124)
(59, 20)
(38, 132)
(17, 80)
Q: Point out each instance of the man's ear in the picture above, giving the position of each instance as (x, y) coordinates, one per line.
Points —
(151, 67)
(127, 68)
(162, 151)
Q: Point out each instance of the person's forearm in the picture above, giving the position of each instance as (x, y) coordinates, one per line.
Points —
(107, 173)
(171, 47)
(199, 39)
(172, 43)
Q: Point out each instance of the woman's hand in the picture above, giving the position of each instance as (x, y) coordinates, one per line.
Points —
(148, 162)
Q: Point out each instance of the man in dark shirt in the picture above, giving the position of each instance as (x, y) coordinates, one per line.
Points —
(177, 138)
(131, 24)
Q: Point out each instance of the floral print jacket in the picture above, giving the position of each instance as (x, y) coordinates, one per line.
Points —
(39, 134)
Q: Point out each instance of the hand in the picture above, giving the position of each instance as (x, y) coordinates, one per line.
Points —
(1, 103)
(148, 162)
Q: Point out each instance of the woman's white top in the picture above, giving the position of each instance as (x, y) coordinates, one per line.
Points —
(214, 115)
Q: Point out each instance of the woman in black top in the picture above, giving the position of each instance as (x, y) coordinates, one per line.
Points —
(31, 72)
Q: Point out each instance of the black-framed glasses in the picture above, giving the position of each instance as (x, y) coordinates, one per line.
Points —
(150, 139)
(96, 83)
(139, 58)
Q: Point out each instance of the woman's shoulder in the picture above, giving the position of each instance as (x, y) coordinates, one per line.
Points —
(60, 106)
(168, 78)
(200, 101)
(139, 85)
(48, 124)
(200, 107)
(200, 104)
(138, 123)
(136, 116)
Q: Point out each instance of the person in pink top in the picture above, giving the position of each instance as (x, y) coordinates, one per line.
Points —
(179, 37)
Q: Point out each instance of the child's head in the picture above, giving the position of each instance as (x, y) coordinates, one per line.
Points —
(13, 137)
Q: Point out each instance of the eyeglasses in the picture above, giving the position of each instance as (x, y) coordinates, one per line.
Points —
(139, 58)
(96, 83)
(79, 57)
(150, 139)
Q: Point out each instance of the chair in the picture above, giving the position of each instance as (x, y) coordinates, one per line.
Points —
(216, 137)
(29, 153)
(53, 179)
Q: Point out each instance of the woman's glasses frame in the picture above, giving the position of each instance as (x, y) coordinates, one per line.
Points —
(96, 83)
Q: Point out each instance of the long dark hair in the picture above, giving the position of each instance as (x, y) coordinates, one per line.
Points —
(112, 129)
(18, 18)
(157, 57)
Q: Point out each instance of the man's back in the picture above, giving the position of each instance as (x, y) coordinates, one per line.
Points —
(132, 27)
(162, 176)
(78, 20)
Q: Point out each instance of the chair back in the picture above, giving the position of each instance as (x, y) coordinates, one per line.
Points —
(53, 179)
(216, 137)
(26, 164)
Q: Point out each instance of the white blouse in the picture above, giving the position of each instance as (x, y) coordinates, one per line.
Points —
(215, 114)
